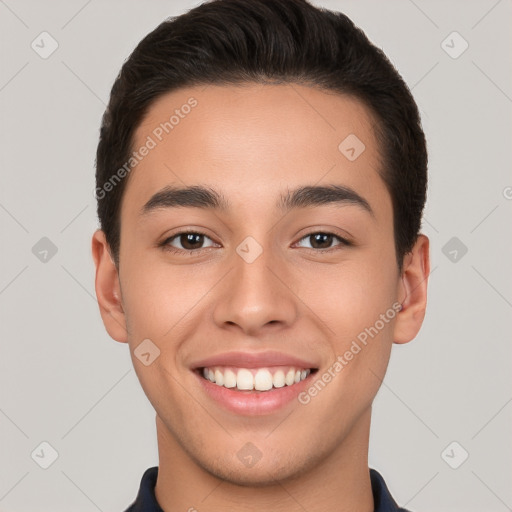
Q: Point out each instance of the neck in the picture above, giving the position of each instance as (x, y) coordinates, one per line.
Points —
(340, 482)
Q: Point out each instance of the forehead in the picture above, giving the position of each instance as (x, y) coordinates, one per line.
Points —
(255, 139)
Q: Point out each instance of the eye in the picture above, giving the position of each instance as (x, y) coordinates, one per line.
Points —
(194, 241)
(187, 241)
(323, 241)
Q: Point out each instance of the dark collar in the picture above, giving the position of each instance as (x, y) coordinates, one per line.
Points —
(146, 501)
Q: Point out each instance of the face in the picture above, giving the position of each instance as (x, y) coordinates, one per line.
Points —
(281, 274)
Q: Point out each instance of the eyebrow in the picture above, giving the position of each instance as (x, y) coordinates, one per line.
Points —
(199, 196)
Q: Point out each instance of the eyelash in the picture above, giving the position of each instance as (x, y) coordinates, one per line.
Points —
(166, 247)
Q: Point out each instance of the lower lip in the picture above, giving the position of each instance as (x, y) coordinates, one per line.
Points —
(253, 403)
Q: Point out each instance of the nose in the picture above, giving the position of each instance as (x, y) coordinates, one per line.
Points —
(257, 296)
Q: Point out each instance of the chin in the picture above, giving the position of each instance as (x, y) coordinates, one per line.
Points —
(264, 473)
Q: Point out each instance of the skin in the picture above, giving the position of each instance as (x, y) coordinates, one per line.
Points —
(252, 142)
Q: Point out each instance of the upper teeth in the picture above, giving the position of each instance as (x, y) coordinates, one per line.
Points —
(261, 379)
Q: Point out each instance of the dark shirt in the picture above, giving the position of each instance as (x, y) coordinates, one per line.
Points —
(146, 501)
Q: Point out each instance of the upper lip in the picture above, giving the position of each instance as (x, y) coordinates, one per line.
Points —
(253, 360)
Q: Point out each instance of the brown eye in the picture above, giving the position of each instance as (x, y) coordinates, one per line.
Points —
(187, 242)
(322, 240)
(190, 241)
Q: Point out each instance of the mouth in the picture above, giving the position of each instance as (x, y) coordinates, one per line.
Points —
(255, 379)
(254, 383)
(254, 391)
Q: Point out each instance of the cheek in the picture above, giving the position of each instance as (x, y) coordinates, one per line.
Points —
(352, 295)
(366, 323)
(159, 299)
(357, 306)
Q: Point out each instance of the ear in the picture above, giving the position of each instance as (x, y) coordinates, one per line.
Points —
(413, 291)
(108, 290)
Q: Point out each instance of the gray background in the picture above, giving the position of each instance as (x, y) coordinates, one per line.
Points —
(64, 381)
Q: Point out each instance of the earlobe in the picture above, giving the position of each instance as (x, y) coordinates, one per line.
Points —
(108, 291)
(413, 291)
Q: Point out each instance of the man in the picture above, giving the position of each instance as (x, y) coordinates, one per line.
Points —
(261, 176)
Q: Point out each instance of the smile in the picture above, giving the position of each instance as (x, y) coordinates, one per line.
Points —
(257, 379)
(254, 383)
